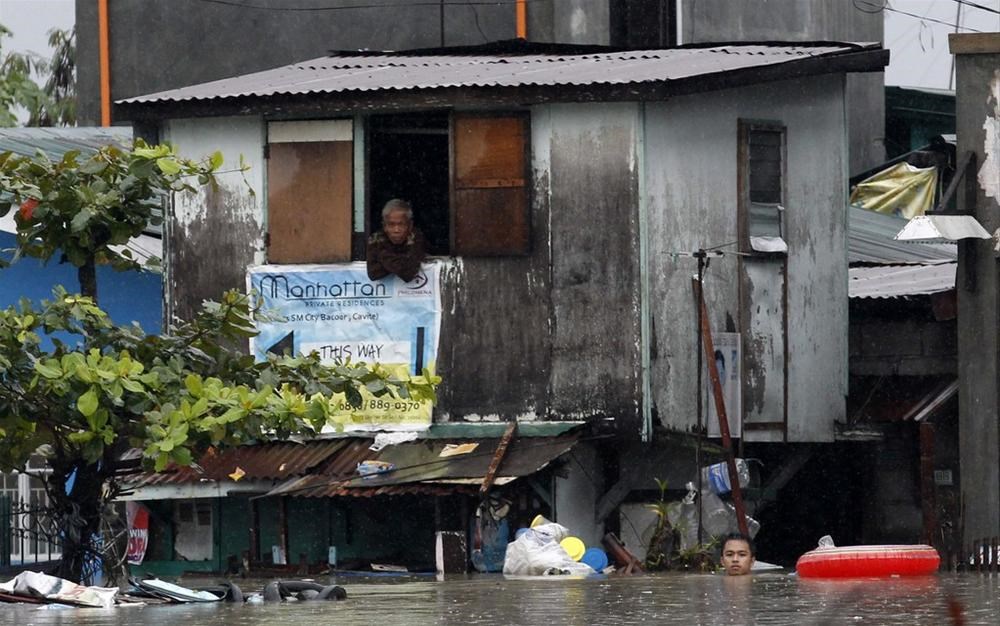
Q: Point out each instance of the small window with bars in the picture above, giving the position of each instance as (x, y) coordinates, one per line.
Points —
(763, 152)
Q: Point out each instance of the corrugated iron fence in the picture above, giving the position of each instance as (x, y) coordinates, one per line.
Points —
(28, 533)
(983, 555)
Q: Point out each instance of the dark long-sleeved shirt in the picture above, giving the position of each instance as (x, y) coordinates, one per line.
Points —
(403, 260)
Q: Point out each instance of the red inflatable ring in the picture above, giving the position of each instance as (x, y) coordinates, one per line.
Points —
(861, 561)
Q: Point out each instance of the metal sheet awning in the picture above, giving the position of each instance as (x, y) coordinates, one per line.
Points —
(942, 228)
(872, 239)
(419, 467)
(900, 281)
(329, 467)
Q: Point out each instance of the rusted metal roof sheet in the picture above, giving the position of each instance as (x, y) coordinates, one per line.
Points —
(274, 461)
(898, 281)
(420, 466)
(403, 72)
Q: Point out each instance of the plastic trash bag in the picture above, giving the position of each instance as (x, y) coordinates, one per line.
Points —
(538, 553)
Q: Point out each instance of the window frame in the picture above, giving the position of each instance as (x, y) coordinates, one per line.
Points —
(745, 128)
(454, 247)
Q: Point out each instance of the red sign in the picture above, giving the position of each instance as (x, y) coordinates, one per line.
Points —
(138, 532)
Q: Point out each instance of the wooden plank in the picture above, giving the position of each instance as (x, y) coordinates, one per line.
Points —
(489, 195)
(501, 450)
(974, 43)
(309, 202)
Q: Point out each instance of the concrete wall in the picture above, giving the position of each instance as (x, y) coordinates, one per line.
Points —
(803, 20)
(577, 492)
(978, 126)
(156, 45)
(691, 167)
(905, 347)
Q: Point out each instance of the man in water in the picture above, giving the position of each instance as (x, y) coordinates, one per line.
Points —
(738, 554)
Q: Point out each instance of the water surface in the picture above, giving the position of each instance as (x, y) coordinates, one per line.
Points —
(687, 599)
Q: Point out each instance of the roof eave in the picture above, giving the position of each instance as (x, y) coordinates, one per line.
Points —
(865, 59)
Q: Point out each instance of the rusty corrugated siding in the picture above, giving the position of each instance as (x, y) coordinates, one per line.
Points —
(420, 468)
(275, 461)
(400, 72)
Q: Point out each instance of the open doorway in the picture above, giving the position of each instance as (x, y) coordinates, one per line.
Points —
(408, 159)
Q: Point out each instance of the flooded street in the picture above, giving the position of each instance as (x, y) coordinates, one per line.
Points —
(691, 600)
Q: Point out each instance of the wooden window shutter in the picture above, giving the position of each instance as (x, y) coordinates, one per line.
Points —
(489, 195)
(309, 196)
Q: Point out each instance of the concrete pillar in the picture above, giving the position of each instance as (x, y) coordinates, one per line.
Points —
(977, 59)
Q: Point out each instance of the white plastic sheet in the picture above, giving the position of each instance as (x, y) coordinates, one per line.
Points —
(37, 585)
(538, 553)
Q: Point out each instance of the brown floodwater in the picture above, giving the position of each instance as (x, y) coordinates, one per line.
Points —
(691, 600)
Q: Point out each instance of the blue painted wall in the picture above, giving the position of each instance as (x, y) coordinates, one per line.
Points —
(126, 296)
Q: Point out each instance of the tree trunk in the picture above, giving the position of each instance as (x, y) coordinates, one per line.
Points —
(87, 275)
(79, 515)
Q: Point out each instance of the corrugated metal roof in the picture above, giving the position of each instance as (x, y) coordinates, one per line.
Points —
(57, 141)
(870, 240)
(420, 465)
(895, 281)
(264, 461)
(328, 467)
(401, 72)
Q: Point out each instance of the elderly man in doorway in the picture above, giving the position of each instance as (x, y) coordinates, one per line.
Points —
(399, 247)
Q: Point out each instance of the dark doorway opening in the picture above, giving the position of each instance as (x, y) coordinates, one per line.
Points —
(408, 159)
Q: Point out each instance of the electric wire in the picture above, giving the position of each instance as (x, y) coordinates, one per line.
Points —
(878, 7)
(976, 5)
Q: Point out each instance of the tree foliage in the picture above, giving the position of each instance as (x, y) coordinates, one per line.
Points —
(105, 390)
(52, 103)
(87, 209)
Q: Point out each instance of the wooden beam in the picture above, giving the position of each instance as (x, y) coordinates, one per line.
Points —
(720, 410)
(501, 450)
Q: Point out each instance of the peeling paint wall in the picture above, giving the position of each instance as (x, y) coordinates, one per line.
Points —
(691, 171)
(553, 335)
(703, 21)
(214, 235)
(595, 291)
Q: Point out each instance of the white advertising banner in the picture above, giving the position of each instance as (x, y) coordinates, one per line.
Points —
(337, 312)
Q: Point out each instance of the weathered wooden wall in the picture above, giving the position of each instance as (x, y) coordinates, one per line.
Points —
(595, 296)
(691, 183)
(211, 237)
(549, 335)
(554, 335)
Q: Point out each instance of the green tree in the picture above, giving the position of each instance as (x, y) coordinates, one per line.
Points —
(104, 390)
(54, 102)
(86, 209)
(110, 389)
